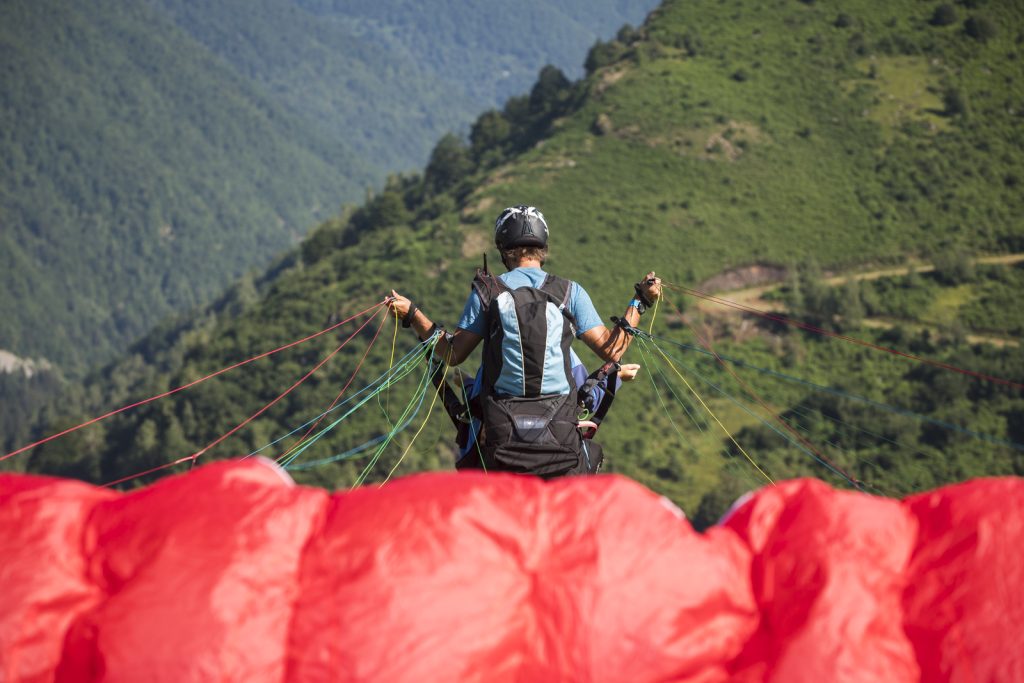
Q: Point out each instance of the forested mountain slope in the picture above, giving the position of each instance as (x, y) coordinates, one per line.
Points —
(140, 175)
(390, 76)
(719, 135)
(152, 152)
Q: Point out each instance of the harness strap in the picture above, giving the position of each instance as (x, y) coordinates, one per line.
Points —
(550, 281)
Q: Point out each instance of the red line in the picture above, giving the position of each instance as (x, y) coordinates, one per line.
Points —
(287, 391)
(182, 387)
(340, 393)
(149, 471)
(753, 394)
(852, 340)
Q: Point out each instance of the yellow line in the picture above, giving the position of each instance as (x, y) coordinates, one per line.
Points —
(650, 330)
(391, 364)
(674, 369)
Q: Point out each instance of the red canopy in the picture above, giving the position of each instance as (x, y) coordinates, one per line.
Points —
(232, 573)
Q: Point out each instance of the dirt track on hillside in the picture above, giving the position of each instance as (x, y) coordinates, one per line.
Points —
(753, 297)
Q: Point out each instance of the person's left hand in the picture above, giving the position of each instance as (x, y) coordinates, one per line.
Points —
(627, 372)
(399, 304)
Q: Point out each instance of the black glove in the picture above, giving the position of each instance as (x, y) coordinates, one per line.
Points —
(641, 295)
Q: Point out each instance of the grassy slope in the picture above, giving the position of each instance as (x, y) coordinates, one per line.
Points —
(811, 171)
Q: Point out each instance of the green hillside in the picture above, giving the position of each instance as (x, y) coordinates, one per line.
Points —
(806, 136)
(153, 152)
(391, 76)
(140, 176)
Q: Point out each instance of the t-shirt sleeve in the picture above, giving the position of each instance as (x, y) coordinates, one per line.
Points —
(471, 320)
(582, 309)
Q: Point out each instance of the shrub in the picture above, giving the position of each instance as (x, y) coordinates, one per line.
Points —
(691, 43)
(954, 267)
(489, 132)
(602, 124)
(955, 102)
(628, 35)
(981, 29)
(449, 163)
(550, 91)
(603, 54)
(944, 15)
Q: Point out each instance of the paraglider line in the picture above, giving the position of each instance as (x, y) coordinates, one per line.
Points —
(426, 419)
(767, 424)
(715, 417)
(855, 397)
(362, 447)
(740, 404)
(809, 413)
(706, 342)
(476, 441)
(654, 315)
(421, 389)
(400, 373)
(184, 386)
(394, 340)
(843, 337)
(343, 390)
(416, 351)
(149, 471)
(212, 444)
(650, 363)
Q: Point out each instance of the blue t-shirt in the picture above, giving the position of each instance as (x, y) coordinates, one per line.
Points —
(580, 305)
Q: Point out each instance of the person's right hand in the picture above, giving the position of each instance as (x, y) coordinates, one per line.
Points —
(650, 285)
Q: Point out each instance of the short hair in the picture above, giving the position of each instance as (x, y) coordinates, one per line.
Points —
(517, 254)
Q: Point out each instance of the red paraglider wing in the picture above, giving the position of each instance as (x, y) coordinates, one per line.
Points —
(232, 573)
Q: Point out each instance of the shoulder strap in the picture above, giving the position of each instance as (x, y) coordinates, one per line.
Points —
(559, 288)
(487, 287)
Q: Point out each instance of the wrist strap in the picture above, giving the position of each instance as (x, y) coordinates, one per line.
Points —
(639, 305)
(407, 320)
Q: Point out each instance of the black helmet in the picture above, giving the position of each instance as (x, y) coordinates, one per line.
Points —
(520, 226)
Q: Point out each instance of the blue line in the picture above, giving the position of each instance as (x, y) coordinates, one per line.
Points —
(291, 458)
(386, 375)
(362, 447)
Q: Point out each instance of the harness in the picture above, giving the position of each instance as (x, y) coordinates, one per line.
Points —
(529, 397)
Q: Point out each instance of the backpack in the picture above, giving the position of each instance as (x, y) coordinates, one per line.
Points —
(529, 400)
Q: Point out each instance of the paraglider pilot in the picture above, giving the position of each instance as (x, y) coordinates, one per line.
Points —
(526, 395)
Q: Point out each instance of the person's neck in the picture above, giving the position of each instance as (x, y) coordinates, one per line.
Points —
(526, 263)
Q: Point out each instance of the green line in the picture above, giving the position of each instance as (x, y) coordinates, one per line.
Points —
(401, 371)
(645, 353)
(421, 388)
